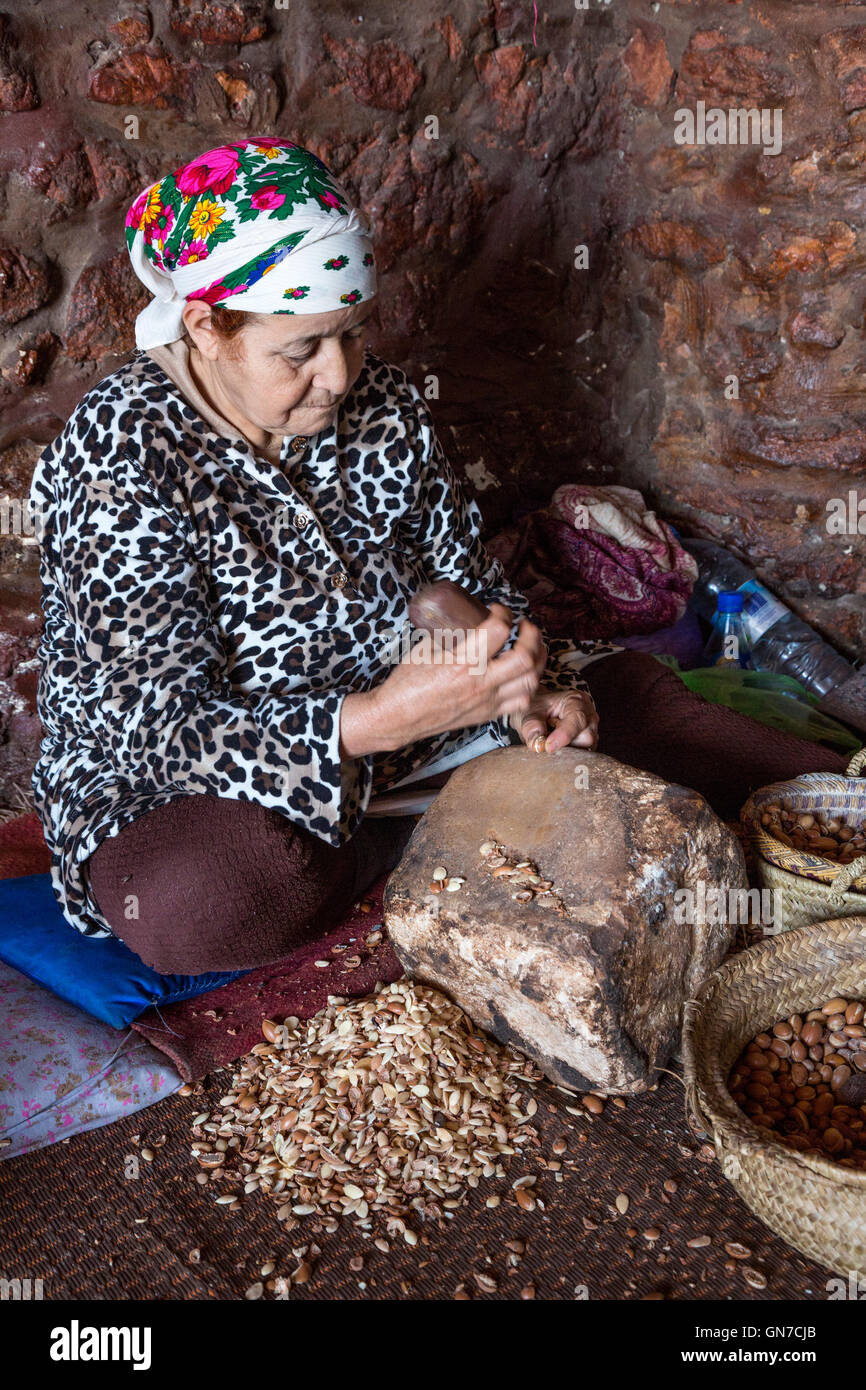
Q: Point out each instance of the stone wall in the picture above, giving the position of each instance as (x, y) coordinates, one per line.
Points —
(706, 345)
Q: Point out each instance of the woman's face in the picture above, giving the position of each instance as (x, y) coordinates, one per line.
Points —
(285, 373)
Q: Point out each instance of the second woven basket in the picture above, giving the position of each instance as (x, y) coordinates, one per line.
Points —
(815, 1204)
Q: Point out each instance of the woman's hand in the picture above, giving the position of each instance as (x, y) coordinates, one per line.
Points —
(421, 699)
(570, 714)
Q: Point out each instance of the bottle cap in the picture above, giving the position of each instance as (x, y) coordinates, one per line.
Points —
(729, 602)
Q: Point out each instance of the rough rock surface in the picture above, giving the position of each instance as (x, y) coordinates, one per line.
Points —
(24, 286)
(593, 992)
(708, 350)
(18, 90)
(102, 308)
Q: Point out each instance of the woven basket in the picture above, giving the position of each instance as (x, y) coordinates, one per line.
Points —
(810, 887)
(813, 1203)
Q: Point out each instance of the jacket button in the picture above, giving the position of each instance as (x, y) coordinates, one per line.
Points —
(301, 519)
(340, 580)
(299, 443)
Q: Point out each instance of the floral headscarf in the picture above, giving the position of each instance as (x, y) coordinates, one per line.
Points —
(261, 225)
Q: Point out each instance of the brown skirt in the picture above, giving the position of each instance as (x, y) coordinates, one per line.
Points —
(205, 883)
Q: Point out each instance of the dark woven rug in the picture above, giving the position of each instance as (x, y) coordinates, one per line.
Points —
(71, 1216)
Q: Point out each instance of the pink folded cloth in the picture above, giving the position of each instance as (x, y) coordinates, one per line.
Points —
(597, 564)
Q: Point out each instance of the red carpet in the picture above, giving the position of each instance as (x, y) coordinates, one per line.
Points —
(22, 847)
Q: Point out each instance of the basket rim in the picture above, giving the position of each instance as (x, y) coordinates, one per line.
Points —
(809, 784)
(801, 878)
(814, 782)
(711, 1084)
(823, 871)
(797, 882)
(764, 846)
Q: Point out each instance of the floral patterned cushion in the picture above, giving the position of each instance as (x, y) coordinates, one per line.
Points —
(62, 1071)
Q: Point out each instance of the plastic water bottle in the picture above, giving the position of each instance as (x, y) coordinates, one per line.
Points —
(728, 644)
(780, 641)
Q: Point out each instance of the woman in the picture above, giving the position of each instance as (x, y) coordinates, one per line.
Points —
(233, 525)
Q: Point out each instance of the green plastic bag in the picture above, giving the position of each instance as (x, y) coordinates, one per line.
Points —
(770, 698)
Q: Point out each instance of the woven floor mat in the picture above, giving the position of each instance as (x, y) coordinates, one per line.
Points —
(70, 1216)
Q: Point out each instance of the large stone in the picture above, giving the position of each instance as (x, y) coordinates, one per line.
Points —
(722, 73)
(134, 27)
(35, 357)
(424, 196)
(102, 310)
(592, 989)
(241, 22)
(500, 70)
(380, 75)
(815, 328)
(777, 253)
(25, 286)
(251, 98)
(839, 446)
(646, 61)
(511, 21)
(846, 49)
(118, 172)
(450, 33)
(56, 165)
(18, 90)
(147, 76)
(679, 242)
(537, 104)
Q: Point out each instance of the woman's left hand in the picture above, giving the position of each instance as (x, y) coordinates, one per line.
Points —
(561, 718)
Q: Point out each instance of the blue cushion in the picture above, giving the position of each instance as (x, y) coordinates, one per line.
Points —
(100, 975)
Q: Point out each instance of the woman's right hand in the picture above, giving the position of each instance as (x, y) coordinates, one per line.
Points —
(418, 700)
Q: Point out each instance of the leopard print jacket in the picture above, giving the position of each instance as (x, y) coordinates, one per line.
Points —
(207, 613)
